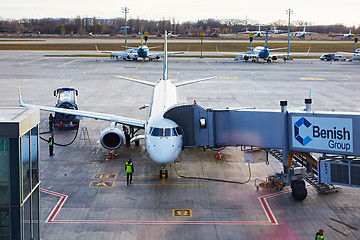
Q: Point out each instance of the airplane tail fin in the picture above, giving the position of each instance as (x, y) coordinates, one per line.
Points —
(21, 103)
(96, 50)
(142, 40)
(165, 70)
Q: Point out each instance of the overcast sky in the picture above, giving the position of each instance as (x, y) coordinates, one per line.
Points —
(264, 12)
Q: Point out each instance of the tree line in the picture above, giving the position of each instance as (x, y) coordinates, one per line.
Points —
(211, 27)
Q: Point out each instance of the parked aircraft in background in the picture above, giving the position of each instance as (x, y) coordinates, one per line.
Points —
(273, 30)
(163, 137)
(355, 56)
(345, 35)
(260, 53)
(258, 33)
(302, 34)
(133, 53)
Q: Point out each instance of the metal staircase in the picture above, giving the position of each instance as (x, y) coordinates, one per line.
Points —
(301, 161)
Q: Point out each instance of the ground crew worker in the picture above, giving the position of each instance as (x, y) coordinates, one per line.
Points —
(51, 123)
(51, 145)
(129, 169)
(320, 234)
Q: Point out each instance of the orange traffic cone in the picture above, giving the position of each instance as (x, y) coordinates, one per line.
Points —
(111, 156)
(218, 156)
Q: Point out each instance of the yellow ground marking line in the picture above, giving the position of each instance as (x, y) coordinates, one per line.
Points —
(166, 184)
(140, 63)
(145, 176)
(311, 78)
(226, 86)
(132, 76)
(20, 81)
(227, 78)
(101, 184)
(348, 78)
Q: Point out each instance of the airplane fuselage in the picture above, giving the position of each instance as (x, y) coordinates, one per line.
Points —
(163, 137)
(143, 51)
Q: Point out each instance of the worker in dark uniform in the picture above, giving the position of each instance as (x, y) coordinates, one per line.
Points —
(51, 145)
(320, 234)
(127, 136)
(51, 123)
(129, 169)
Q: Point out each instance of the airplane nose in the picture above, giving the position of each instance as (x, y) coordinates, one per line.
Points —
(163, 152)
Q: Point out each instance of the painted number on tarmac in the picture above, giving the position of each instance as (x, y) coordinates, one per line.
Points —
(101, 184)
(105, 176)
(182, 213)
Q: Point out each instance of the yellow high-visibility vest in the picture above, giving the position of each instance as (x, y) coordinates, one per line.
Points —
(129, 167)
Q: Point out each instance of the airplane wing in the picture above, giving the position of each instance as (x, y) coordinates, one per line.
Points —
(274, 49)
(162, 55)
(193, 81)
(294, 54)
(348, 53)
(138, 81)
(101, 116)
(128, 54)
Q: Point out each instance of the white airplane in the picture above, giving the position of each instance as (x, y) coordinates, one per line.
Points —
(273, 30)
(163, 137)
(258, 33)
(260, 53)
(302, 34)
(354, 56)
(133, 53)
(346, 35)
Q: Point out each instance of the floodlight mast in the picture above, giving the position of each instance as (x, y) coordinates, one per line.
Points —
(289, 11)
(126, 11)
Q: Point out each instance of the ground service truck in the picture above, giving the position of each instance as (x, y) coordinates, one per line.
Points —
(66, 98)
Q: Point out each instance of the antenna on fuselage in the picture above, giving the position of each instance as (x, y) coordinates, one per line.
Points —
(165, 73)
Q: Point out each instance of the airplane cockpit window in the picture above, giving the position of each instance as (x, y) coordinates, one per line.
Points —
(163, 132)
(178, 130)
(157, 132)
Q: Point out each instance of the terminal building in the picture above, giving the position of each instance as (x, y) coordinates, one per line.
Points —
(19, 173)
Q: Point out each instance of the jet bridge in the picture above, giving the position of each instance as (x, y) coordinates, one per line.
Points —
(306, 131)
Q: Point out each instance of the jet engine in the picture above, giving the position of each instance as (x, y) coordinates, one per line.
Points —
(274, 58)
(111, 138)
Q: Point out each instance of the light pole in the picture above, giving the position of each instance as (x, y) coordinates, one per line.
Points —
(201, 37)
(289, 11)
(126, 11)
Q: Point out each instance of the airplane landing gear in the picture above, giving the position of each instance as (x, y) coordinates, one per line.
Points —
(163, 172)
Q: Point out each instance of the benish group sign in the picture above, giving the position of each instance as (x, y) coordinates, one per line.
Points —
(332, 134)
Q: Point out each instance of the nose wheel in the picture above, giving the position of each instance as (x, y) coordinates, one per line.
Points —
(163, 173)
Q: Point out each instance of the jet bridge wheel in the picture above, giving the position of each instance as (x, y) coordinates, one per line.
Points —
(299, 191)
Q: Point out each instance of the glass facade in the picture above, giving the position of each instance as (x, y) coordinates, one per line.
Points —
(4, 189)
(19, 187)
